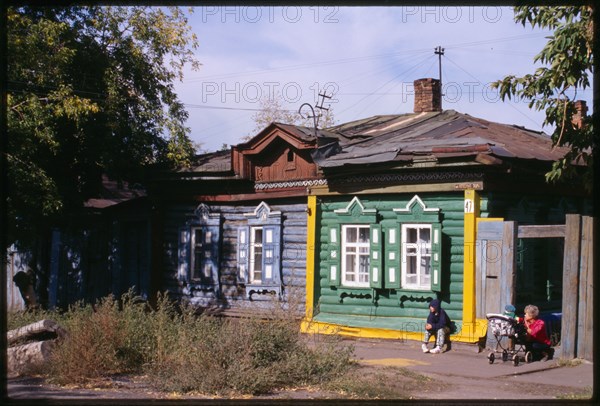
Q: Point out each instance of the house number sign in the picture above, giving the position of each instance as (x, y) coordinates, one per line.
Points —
(469, 206)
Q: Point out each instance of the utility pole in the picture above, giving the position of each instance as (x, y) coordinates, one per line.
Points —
(439, 51)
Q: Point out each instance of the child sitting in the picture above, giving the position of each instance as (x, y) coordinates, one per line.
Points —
(437, 325)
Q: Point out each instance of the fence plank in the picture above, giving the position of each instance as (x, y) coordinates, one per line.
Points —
(509, 264)
(570, 285)
(552, 231)
(586, 295)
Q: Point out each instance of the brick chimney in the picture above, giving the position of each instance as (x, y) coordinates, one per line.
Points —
(428, 95)
(580, 113)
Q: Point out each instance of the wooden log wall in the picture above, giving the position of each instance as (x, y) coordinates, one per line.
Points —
(232, 218)
(411, 305)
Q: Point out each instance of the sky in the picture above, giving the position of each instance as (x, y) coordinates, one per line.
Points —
(366, 58)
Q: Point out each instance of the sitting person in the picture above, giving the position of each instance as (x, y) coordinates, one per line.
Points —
(537, 340)
(437, 325)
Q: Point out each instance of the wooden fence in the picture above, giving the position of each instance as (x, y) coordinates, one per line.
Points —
(578, 285)
(576, 334)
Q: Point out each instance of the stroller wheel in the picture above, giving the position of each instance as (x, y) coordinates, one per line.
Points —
(491, 357)
(528, 357)
(515, 360)
(504, 355)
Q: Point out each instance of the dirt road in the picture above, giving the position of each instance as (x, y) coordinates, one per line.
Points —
(400, 370)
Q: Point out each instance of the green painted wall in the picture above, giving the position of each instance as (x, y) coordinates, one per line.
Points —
(381, 306)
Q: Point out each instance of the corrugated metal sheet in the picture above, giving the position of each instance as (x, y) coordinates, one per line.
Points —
(440, 134)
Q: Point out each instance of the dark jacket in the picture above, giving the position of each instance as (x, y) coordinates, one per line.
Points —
(438, 319)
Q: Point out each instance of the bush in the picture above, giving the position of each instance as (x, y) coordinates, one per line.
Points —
(180, 351)
(99, 342)
(243, 356)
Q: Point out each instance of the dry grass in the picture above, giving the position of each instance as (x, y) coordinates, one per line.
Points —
(180, 351)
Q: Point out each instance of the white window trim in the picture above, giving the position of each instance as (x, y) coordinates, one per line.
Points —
(405, 245)
(358, 245)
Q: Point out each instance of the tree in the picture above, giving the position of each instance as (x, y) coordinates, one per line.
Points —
(271, 110)
(568, 58)
(90, 93)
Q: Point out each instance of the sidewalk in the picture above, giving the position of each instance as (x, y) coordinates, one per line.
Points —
(464, 363)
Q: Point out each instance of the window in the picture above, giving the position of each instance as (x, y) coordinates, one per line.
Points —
(418, 253)
(354, 247)
(416, 256)
(202, 257)
(259, 251)
(263, 253)
(355, 255)
(290, 160)
(256, 258)
(199, 243)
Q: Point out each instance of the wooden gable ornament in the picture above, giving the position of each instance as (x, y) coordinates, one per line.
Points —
(279, 153)
(416, 210)
(357, 211)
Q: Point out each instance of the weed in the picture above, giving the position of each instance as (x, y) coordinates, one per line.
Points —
(585, 394)
(180, 351)
(16, 319)
(389, 383)
(567, 362)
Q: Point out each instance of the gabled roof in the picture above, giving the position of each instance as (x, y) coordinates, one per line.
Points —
(436, 135)
(298, 136)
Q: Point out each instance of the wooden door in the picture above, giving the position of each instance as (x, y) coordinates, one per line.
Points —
(495, 266)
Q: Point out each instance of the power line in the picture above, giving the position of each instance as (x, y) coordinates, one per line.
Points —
(511, 106)
(201, 106)
(389, 81)
(312, 65)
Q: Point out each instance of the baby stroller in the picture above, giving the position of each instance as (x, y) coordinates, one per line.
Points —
(510, 339)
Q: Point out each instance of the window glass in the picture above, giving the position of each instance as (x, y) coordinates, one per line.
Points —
(201, 256)
(256, 258)
(196, 253)
(416, 256)
(356, 255)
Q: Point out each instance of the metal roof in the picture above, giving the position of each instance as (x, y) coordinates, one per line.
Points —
(212, 162)
(439, 135)
(113, 193)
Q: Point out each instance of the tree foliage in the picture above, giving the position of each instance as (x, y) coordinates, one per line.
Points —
(568, 59)
(90, 93)
(272, 110)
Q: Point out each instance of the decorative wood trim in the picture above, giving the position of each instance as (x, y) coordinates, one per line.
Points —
(265, 209)
(355, 201)
(411, 177)
(290, 184)
(328, 190)
(416, 200)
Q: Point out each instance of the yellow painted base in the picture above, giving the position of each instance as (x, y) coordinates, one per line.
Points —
(470, 333)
